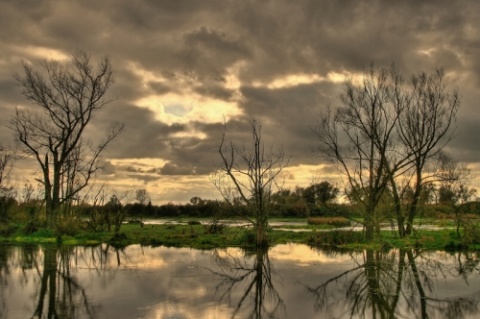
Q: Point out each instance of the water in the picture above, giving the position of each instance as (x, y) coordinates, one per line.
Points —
(288, 281)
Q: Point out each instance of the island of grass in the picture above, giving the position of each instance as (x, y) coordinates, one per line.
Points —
(206, 234)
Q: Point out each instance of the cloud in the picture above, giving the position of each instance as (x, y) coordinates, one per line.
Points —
(182, 68)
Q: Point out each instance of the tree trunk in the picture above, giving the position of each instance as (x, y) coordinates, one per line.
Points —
(369, 227)
(369, 221)
(398, 209)
(261, 234)
(412, 212)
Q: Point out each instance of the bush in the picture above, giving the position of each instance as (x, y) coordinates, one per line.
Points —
(330, 221)
(215, 227)
(67, 227)
(43, 233)
(471, 234)
(336, 238)
(247, 238)
(470, 207)
(439, 211)
(8, 229)
(34, 225)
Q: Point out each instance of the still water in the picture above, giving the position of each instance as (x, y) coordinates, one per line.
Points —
(287, 281)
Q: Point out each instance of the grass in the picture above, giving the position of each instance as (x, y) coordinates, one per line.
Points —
(201, 236)
(329, 221)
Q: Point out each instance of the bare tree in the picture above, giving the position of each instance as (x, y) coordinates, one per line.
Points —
(358, 138)
(247, 174)
(453, 191)
(5, 161)
(424, 127)
(143, 198)
(7, 194)
(67, 97)
(384, 135)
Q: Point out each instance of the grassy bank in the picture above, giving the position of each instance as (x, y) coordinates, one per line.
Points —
(204, 236)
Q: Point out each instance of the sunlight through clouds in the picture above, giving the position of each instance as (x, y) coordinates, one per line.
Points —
(195, 108)
(183, 69)
(290, 80)
(41, 52)
(184, 105)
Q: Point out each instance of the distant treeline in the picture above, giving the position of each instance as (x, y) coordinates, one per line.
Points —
(210, 208)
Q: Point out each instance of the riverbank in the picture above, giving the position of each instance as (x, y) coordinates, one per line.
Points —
(195, 234)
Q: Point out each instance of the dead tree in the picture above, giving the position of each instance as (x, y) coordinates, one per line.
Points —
(383, 136)
(358, 138)
(248, 174)
(66, 96)
(425, 126)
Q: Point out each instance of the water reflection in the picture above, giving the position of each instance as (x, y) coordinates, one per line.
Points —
(399, 284)
(49, 273)
(288, 281)
(251, 275)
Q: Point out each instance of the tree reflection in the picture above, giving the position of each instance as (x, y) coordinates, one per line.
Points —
(396, 284)
(4, 272)
(53, 271)
(251, 275)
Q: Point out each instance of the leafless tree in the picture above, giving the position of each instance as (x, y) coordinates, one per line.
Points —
(67, 96)
(358, 138)
(7, 194)
(116, 212)
(143, 198)
(453, 191)
(248, 174)
(425, 126)
(383, 136)
(5, 161)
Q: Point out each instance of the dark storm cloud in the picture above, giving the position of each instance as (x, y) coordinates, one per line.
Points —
(160, 87)
(174, 169)
(288, 115)
(191, 156)
(194, 46)
(143, 136)
(215, 91)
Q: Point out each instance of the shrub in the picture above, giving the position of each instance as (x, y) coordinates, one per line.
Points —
(330, 221)
(470, 207)
(336, 238)
(215, 227)
(471, 234)
(68, 226)
(247, 238)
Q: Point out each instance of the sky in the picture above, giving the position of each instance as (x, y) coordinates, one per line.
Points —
(184, 68)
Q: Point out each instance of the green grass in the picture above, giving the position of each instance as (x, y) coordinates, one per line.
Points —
(199, 236)
(329, 221)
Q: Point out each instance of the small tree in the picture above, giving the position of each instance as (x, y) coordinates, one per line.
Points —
(320, 195)
(7, 194)
(248, 174)
(116, 212)
(452, 189)
(5, 161)
(142, 197)
(67, 97)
